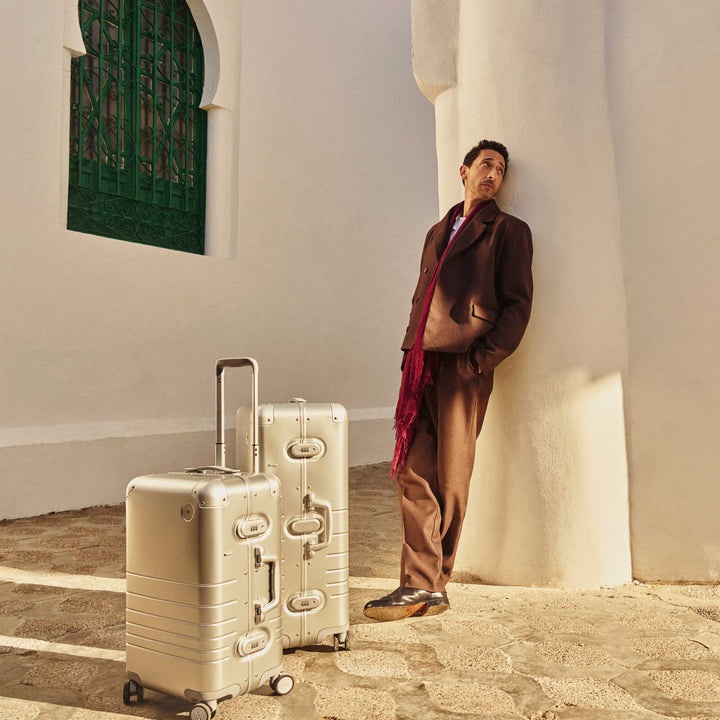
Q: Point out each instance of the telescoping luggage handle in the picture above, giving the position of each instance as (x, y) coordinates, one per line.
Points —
(220, 409)
(260, 557)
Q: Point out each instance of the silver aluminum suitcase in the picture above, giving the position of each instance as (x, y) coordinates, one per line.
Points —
(203, 580)
(306, 446)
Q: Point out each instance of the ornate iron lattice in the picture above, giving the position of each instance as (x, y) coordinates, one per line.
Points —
(138, 138)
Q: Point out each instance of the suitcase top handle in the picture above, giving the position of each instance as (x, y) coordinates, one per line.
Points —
(220, 409)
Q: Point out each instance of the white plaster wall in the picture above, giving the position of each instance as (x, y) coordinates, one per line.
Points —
(549, 495)
(614, 163)
(108, 347)
(664, 80)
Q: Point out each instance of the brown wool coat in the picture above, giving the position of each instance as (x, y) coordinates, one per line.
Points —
(484, 290)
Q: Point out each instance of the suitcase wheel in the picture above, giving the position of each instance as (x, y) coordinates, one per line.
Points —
(202, 711)
(340, 641)
(282, 684)
(132, 689)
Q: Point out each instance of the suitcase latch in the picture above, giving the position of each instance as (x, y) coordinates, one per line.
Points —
(259, 607)
(259, 614)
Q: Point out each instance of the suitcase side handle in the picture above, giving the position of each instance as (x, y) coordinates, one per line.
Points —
(274, 584)
(325, 535)
(220, 366)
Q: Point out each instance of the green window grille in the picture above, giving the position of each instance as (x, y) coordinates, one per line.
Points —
(138, 139)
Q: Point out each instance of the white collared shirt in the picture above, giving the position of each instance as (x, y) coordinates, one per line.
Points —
(459, 220)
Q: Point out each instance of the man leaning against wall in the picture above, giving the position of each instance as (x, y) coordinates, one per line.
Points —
(469, 312)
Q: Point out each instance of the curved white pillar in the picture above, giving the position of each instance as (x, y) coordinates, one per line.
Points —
(549, 496)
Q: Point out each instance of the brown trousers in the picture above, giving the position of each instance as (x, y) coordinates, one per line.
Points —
(434, 484)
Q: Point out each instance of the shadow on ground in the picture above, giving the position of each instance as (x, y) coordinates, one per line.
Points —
(626, 653)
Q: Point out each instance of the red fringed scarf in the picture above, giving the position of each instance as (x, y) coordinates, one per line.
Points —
(420, 367)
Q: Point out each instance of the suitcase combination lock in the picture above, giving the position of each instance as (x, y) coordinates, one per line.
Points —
(251, 527)
(304, 602)
(307, 448)
(252, 643)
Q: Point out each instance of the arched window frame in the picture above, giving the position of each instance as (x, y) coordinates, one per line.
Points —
(220, 26)
(138, 137)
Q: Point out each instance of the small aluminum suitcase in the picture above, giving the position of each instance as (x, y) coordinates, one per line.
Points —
(305, 445)
(203, 580)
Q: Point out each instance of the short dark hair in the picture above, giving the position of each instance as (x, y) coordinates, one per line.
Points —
(486, 145)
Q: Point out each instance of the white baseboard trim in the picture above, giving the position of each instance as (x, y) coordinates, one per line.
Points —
(89, 432)
(377, 413)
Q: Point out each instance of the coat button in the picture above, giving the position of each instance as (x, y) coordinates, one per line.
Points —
(425, 270)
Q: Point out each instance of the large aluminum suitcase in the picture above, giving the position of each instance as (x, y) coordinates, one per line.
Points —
(203, 580)
(306, 446)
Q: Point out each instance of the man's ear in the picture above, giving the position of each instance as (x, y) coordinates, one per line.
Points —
(463, 173)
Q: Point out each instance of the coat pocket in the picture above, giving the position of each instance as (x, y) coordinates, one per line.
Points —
(482, 320)
(482, 313)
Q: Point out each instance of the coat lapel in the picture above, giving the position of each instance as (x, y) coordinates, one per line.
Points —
(474, 229)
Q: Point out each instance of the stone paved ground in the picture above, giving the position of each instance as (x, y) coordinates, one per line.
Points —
(629, 653)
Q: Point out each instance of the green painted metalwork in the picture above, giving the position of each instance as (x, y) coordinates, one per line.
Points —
(138, 139)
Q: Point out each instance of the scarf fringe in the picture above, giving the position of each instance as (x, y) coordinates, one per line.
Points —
(417, 376)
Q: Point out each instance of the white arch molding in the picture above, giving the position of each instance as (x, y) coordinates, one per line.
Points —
(219, 24)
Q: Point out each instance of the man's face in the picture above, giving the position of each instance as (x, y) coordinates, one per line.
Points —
(484, 177)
